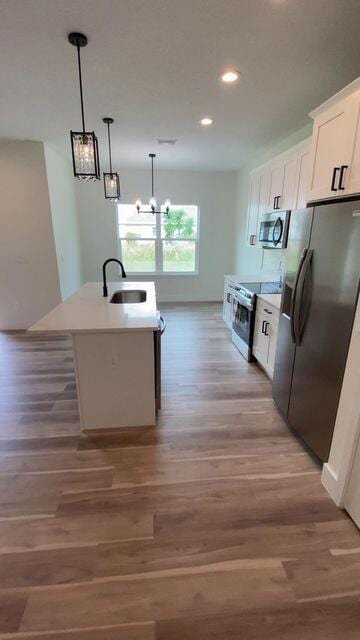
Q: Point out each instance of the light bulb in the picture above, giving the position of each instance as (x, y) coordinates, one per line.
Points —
(138, 203)
(167, 204)
(152, 203)
(206, 122)
(231, 75)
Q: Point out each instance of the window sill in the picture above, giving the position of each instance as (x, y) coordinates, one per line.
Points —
(173, 274)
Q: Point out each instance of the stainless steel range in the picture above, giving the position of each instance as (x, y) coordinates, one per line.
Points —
(244, 313)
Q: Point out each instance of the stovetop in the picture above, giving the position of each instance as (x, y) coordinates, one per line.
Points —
(261, 287)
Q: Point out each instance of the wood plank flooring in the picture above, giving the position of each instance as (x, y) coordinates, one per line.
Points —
(213, 525)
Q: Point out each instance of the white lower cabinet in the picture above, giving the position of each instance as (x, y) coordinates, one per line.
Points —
(265, 335)
(229, 290)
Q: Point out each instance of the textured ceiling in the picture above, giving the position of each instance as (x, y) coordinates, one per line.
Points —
(153, 65)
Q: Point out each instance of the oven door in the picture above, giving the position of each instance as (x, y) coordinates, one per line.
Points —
(273, 230)
(243, 326)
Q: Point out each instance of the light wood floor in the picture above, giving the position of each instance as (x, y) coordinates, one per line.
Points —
(212, 526)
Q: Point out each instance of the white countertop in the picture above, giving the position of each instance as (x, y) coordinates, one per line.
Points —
(87, 310)
(255, 277)
(271, 298)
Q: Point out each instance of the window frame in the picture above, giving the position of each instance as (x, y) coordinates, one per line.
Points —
(158, 241)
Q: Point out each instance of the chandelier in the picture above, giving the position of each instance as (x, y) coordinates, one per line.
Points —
(152, 201)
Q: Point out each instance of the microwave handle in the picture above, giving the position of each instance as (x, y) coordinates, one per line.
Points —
(278, 223)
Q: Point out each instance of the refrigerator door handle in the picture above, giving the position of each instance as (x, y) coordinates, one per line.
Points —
(298, 328)
(162, 324)
(293, 296)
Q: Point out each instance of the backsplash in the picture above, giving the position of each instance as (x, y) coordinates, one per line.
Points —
(273, 260)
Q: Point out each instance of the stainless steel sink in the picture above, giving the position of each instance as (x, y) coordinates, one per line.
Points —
(128, 296)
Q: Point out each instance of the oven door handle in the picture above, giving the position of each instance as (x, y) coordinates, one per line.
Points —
(293, 296)
(245, 302)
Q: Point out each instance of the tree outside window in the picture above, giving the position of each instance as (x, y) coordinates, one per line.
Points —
(161, 244)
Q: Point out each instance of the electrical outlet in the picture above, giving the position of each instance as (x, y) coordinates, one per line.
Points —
(115, 360)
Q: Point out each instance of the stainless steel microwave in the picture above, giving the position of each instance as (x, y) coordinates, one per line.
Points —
(273, 230)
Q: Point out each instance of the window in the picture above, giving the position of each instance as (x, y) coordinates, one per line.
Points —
(159, 244)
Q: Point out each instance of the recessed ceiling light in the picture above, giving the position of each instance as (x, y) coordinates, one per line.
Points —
(206, 121)
(230, 75)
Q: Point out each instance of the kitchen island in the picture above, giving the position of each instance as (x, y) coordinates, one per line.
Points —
(114, 352)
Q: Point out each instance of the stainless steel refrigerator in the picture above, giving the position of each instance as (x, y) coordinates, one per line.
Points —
(317, 311)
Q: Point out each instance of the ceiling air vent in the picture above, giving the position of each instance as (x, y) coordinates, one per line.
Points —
(170, 142)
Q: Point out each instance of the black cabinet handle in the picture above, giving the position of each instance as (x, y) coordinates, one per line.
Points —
(274, 203)
(277, 202)
(263, 326)
(341, 177)
(252, 239)
(267, 324)
(267, 311)
(228, 295)
(335, 170)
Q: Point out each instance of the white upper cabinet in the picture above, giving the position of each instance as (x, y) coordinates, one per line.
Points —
(276, 183)
(280, 184)
(253, 208)
(282, 181)
(290, 179)
(303, 172)
(335, 147)
(257, 204)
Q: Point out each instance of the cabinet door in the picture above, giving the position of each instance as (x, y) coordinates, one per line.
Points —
(352, 173)
(228, 304)
(302, 187)
(332, 147)
(260, 341)
(263, 193)
(225, 303)
(253, 208)
(287, 201)
(352, 499)
(273, 332)
(276, 185)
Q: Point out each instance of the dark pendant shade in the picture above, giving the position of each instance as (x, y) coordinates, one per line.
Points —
(111, 178)
(85, 155)
(84, 144)
(112, 186)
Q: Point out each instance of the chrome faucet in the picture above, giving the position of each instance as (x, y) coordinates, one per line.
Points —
(123, 274)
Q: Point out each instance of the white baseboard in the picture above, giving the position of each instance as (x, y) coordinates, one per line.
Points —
(332, 485)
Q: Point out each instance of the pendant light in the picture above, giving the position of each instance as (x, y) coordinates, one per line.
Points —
(84, 144)
(152, 201)
(111, 179)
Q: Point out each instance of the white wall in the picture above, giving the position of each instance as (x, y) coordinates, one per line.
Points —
(250, 260)
(29, 282)
(213, 192)
(336, 471)
(61, 185)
